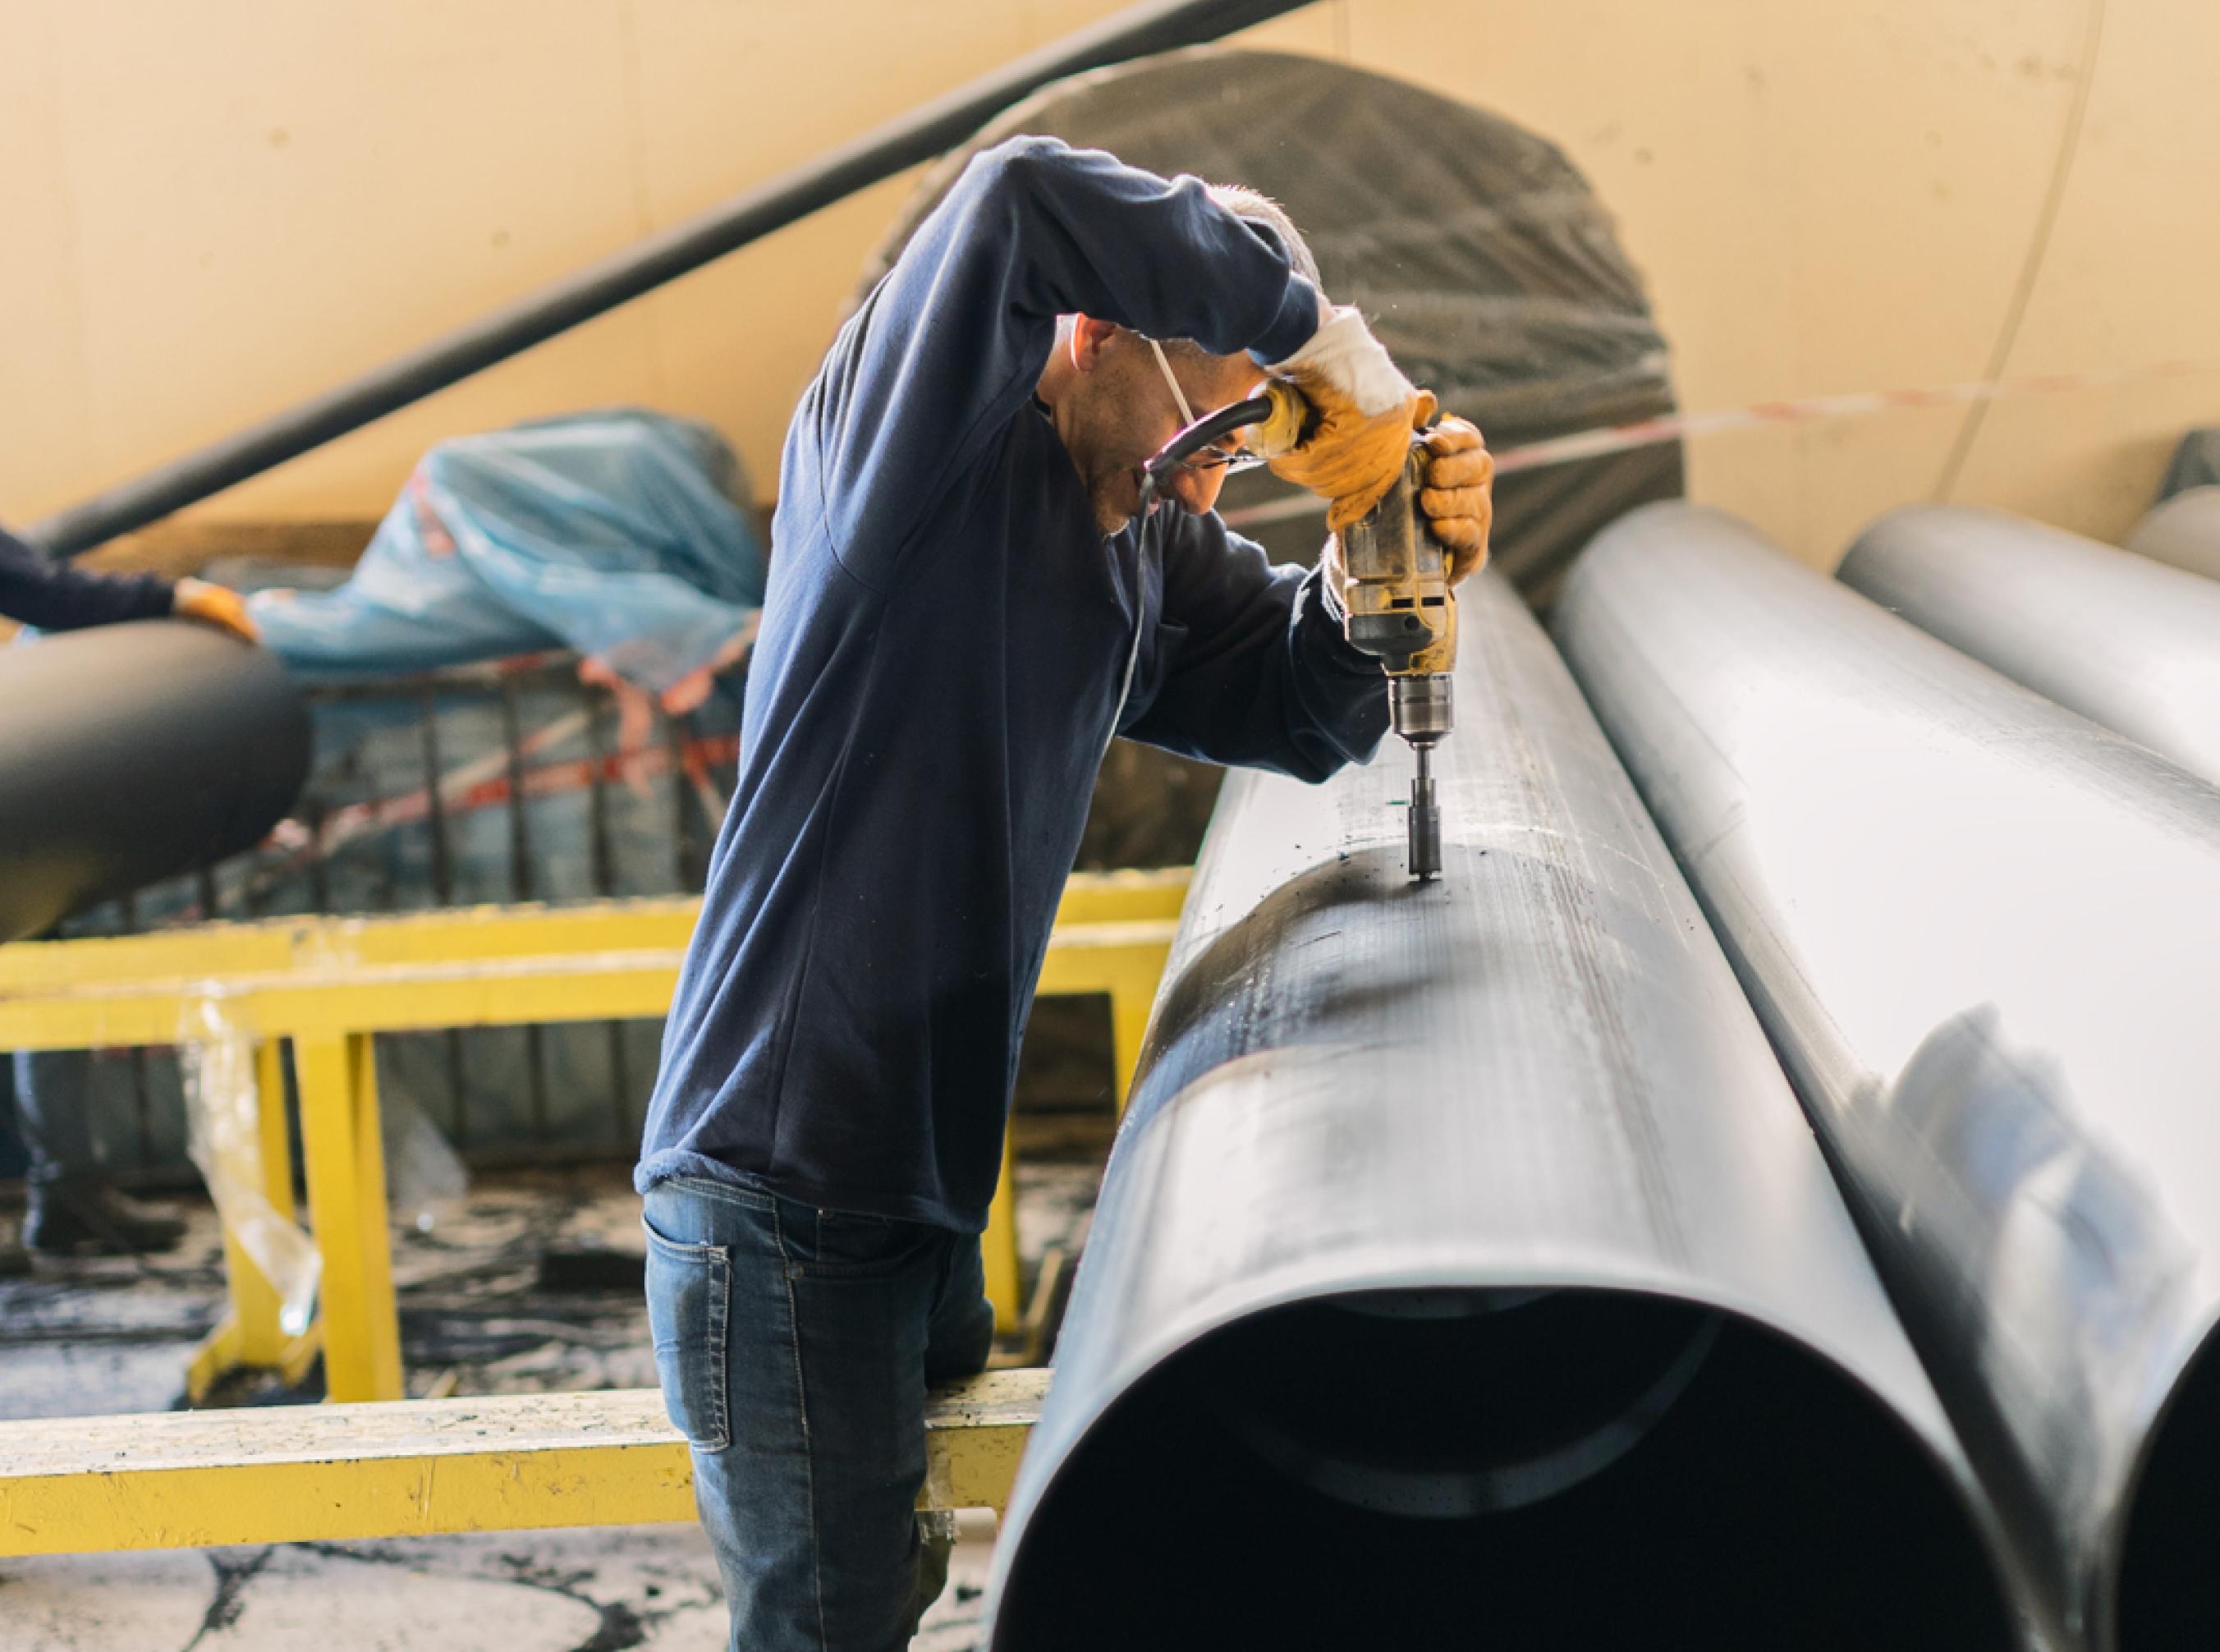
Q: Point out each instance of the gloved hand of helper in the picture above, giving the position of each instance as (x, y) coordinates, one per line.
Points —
(213, 605)
(1458, 499)
(1364, 411)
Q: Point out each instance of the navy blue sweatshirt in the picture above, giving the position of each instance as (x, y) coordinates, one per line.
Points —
(54, 596)
(949, 644)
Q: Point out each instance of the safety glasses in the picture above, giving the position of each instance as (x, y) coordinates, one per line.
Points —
(1203, 458)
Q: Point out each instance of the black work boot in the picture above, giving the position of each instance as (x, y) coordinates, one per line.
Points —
(89, 1219)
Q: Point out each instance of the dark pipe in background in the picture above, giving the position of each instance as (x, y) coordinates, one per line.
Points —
(134, 752)
(1158, 26)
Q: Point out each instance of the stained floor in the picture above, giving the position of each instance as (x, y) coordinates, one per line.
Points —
(528, 1284)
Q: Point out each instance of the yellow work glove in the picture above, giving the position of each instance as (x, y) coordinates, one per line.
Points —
(1361, 411)
(1458, 498)
(213, 605)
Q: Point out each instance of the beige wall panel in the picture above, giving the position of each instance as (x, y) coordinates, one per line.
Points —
(2129, 278)
(226, 207)
(271, 196)
(1822, 198)
(46, 420)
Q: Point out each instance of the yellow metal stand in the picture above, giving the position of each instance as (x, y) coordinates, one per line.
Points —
(346, 1201)
(503, 1463)
(253, 1334)
(998, 1245)
(330, 985)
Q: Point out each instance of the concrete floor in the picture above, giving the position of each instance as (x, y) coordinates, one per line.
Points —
(653, 1587)
(98, 1338)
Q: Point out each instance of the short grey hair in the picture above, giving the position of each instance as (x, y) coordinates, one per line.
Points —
(1255, 207)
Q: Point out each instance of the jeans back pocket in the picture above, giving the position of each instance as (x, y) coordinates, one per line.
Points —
(690, 1292)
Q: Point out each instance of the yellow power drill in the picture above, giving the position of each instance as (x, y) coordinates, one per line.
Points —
(1395, 594)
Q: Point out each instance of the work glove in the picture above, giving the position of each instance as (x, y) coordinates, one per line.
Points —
(1458, 498)
(214, 605)
(1361, 413)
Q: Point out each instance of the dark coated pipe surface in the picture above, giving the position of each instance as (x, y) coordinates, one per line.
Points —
(134, 752)
(1982, 932)
(1464, 1273)
(1158, 26)
(2184, 532)
(2125, 641)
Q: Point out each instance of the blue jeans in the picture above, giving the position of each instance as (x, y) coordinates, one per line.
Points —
(795, 1346)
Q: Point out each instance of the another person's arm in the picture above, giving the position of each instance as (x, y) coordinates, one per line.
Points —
(54, 596)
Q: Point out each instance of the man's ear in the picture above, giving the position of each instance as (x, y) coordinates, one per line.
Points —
(1089, 338)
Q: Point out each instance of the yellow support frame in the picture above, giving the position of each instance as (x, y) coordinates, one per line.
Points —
(331, 985)
(507, 1462)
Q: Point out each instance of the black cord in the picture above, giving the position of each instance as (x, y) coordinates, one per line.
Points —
(1197, 436)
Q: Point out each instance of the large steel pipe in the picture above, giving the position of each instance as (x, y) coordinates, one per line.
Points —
(1983, 933)
(133, 752)
(2184, 531)
(1465, 1273)
(2125, 641)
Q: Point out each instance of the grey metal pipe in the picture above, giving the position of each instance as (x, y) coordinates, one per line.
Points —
(1983, 934)
(2183, 530)
(134, 752)
(886, 149)
(2125, 641)
(1464, 1273)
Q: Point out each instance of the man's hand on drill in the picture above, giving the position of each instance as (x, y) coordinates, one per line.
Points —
(1363, 410)
(1459, 498)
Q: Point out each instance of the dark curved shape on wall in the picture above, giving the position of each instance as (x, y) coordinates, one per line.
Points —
(1982, 932)
(134, 752)
(1465, 1273)
(1481, 254)
(2125, 640)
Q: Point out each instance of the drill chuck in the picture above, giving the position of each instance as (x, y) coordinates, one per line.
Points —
(1420, 708)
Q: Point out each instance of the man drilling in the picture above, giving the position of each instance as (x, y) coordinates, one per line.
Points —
(964, 608)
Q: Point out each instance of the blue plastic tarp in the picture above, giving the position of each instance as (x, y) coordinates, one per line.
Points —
(622, 535)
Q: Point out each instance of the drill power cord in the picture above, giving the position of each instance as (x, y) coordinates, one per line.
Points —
(1197, 436)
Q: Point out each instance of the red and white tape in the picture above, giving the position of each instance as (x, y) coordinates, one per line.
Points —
(1811, 409)
(483, 782)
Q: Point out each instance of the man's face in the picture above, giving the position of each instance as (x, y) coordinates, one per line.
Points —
(1122, 411)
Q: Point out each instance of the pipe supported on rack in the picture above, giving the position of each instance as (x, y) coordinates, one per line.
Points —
(2126, 641)
(2183, 530)
(1982, 932)
(924, 132)
(134, 752)
(1463, 1243)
